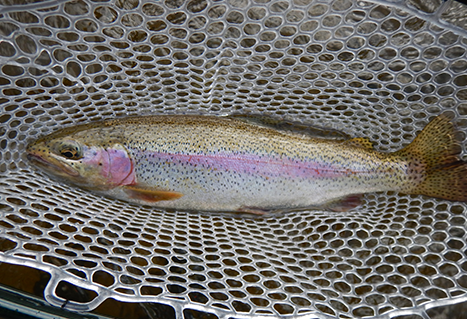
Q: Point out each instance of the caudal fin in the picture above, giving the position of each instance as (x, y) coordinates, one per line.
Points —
(435, 166)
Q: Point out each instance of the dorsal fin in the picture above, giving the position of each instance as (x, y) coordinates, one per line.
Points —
(361, 142)
(289, 126)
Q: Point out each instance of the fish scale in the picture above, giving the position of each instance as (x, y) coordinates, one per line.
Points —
(223, 164)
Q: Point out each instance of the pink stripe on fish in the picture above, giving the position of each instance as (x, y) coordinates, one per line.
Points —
(260, 165)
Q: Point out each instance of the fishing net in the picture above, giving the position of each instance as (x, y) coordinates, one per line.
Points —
(378, 69)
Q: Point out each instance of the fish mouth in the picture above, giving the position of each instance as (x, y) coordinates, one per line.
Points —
(52, 165)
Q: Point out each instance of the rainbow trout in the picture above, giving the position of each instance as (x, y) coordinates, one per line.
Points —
(211, 163)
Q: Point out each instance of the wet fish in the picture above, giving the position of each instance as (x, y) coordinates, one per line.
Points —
(209, 163)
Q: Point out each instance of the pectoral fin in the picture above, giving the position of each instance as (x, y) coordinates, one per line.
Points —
(149, 194)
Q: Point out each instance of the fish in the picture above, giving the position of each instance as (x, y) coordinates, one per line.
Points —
(225, 164)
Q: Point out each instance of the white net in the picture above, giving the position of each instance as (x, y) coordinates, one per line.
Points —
(378, 69)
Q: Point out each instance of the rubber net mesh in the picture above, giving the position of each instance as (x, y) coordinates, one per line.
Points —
(375, 69)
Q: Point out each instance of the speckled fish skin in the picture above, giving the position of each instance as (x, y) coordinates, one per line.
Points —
(227, 165)
(221, 164)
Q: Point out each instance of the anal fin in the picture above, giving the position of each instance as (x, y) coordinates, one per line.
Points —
(254, 211)
(345, 204)
(149, 194)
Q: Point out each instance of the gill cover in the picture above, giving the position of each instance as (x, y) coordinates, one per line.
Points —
(83, 161)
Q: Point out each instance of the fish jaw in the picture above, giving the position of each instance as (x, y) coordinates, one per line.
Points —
(52, 164)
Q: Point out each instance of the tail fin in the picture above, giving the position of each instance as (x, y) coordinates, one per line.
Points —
(435, 167)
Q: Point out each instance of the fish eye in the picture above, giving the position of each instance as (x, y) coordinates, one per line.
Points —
(70, 152)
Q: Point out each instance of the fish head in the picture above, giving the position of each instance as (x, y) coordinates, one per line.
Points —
(85, 158)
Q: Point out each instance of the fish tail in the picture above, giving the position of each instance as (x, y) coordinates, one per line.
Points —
(434, 165)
